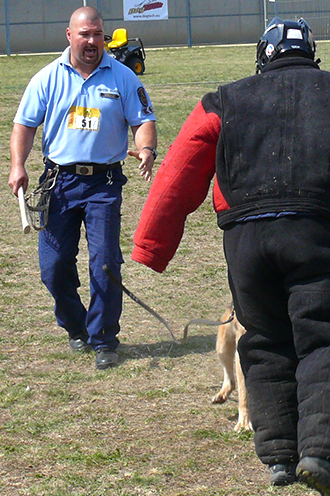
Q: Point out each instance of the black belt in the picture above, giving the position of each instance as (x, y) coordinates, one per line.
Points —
(84, 169)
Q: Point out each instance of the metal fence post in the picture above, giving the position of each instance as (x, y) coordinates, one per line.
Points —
(265, 14)
(7, 27)
(188, 23)
(265, 10)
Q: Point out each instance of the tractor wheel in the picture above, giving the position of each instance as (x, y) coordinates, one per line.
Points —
(137, 65)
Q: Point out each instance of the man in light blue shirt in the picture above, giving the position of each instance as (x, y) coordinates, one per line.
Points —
(86, 102)
(103, 106)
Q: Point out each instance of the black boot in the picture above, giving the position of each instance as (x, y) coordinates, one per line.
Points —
(315, 472)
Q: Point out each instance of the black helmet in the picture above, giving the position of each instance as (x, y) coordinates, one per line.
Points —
(282, 37)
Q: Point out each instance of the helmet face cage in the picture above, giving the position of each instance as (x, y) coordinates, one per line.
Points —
(284, 36)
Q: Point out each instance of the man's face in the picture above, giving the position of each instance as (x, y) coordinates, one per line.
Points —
(86, 40)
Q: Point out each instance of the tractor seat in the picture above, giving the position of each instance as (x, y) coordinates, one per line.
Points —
(119, 38)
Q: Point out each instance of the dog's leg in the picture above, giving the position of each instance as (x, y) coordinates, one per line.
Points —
(226, 346)
(244, 421)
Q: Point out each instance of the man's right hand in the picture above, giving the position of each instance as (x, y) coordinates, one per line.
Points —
(18, 177)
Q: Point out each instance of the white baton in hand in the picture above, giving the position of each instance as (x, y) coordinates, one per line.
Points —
(22, 206)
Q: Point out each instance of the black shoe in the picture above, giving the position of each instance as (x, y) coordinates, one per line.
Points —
(315, 472)
(106, 358)
(79, 343)
(283, 475)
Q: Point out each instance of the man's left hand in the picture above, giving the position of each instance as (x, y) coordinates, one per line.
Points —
(147, 161)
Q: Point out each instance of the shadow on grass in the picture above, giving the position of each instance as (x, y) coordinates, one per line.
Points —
(193, 345)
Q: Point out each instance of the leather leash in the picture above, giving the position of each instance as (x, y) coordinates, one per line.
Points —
(159, 317)
(207, 322)
(140, 302)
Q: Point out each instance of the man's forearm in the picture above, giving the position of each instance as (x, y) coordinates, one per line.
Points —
(21, 143)
(145, 135)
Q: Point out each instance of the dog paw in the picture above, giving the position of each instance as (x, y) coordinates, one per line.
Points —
(244, 424)
(220, 398)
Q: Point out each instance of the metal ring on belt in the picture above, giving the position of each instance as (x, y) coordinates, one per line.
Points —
(85, 169)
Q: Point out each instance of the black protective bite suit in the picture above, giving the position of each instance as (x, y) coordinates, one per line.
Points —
(273, 164)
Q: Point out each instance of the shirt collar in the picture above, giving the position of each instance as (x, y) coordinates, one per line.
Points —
(65, 59)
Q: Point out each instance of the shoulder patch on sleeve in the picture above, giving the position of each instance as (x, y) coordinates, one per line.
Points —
(148, 110)
(142, 96)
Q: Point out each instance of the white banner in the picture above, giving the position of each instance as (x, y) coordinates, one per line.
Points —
(145, 10)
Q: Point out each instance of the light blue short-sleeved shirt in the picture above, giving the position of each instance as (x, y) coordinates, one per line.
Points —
(85, 120)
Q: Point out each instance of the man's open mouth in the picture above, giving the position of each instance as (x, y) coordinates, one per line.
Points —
(90, 51)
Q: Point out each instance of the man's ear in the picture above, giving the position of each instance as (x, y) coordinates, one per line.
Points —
(68, 34)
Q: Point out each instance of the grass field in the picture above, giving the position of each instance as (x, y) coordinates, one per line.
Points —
(147, 427)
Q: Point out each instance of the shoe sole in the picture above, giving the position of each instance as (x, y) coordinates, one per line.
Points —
(83, 349)
(103, 366)
(306, 477)
(282, 479)
(314, 479)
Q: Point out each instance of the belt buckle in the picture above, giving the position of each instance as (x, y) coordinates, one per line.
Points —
(84, 170)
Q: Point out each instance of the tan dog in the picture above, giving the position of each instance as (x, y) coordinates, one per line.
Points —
(228, 336)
